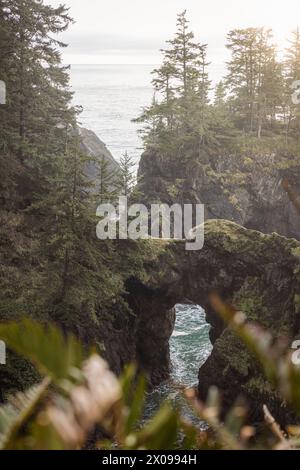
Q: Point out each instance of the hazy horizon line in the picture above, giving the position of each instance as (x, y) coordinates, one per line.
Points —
(116, 63)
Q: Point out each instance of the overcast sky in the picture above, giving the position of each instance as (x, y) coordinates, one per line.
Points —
(133, 31)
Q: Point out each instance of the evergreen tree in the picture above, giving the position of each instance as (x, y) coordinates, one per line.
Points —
(183, 55)
(292, 74)
(38, 105)
(78, 278)
(220, 94)
(188, 61)
(222, 128)
(254, 79)
(181, 115)
(107, 182)
(54, 261)
(127, 178)
(292, 58)
(163, 84)
(152, 118)
(33, 128)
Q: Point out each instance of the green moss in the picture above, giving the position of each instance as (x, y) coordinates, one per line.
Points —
(232, 237)
(259, 385)
(232, 351)
(248, 161)
(249, 299)
(296, 251)
(236, 178)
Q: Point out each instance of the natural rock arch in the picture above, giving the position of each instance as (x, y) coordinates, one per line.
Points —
(256, 272)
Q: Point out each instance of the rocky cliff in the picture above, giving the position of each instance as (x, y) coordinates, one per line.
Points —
(259, 274)
(94, 147)
(244, 188)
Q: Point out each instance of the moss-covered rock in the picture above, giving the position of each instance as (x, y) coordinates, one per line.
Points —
(257, 273)
(243, 185)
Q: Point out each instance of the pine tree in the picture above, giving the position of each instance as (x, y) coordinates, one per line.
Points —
(220, 94)
(154, 127)
(292, 74)
(106, 190)
(222, 128)
(270, 87)
(254, 79)
(292, 58)
(127, 178)
(38, 105)
(183, 55)
(188, 60)
(78, 276)
(163, 84)
(33, 126)
(56, 264)
(181, 113)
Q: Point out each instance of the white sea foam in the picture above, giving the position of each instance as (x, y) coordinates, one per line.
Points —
(179, 333)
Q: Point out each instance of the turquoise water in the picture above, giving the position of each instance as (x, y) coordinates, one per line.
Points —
(189, 348)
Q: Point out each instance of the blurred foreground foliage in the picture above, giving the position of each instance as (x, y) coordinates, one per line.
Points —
(79, 403)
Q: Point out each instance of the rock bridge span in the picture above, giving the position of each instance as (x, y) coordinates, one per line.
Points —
(258, 273)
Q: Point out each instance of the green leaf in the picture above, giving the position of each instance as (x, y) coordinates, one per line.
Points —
(133, 391)
(161, 432)
(137, 405)
(17, 411)
(55, 355)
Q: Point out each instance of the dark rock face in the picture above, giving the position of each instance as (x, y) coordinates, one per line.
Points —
(93, 146)
(246, 190)
(116, 333)
(259, 274)
(154, 327)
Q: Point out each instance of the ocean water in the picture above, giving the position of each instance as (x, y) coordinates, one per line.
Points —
(111, 96)
(189, 348)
